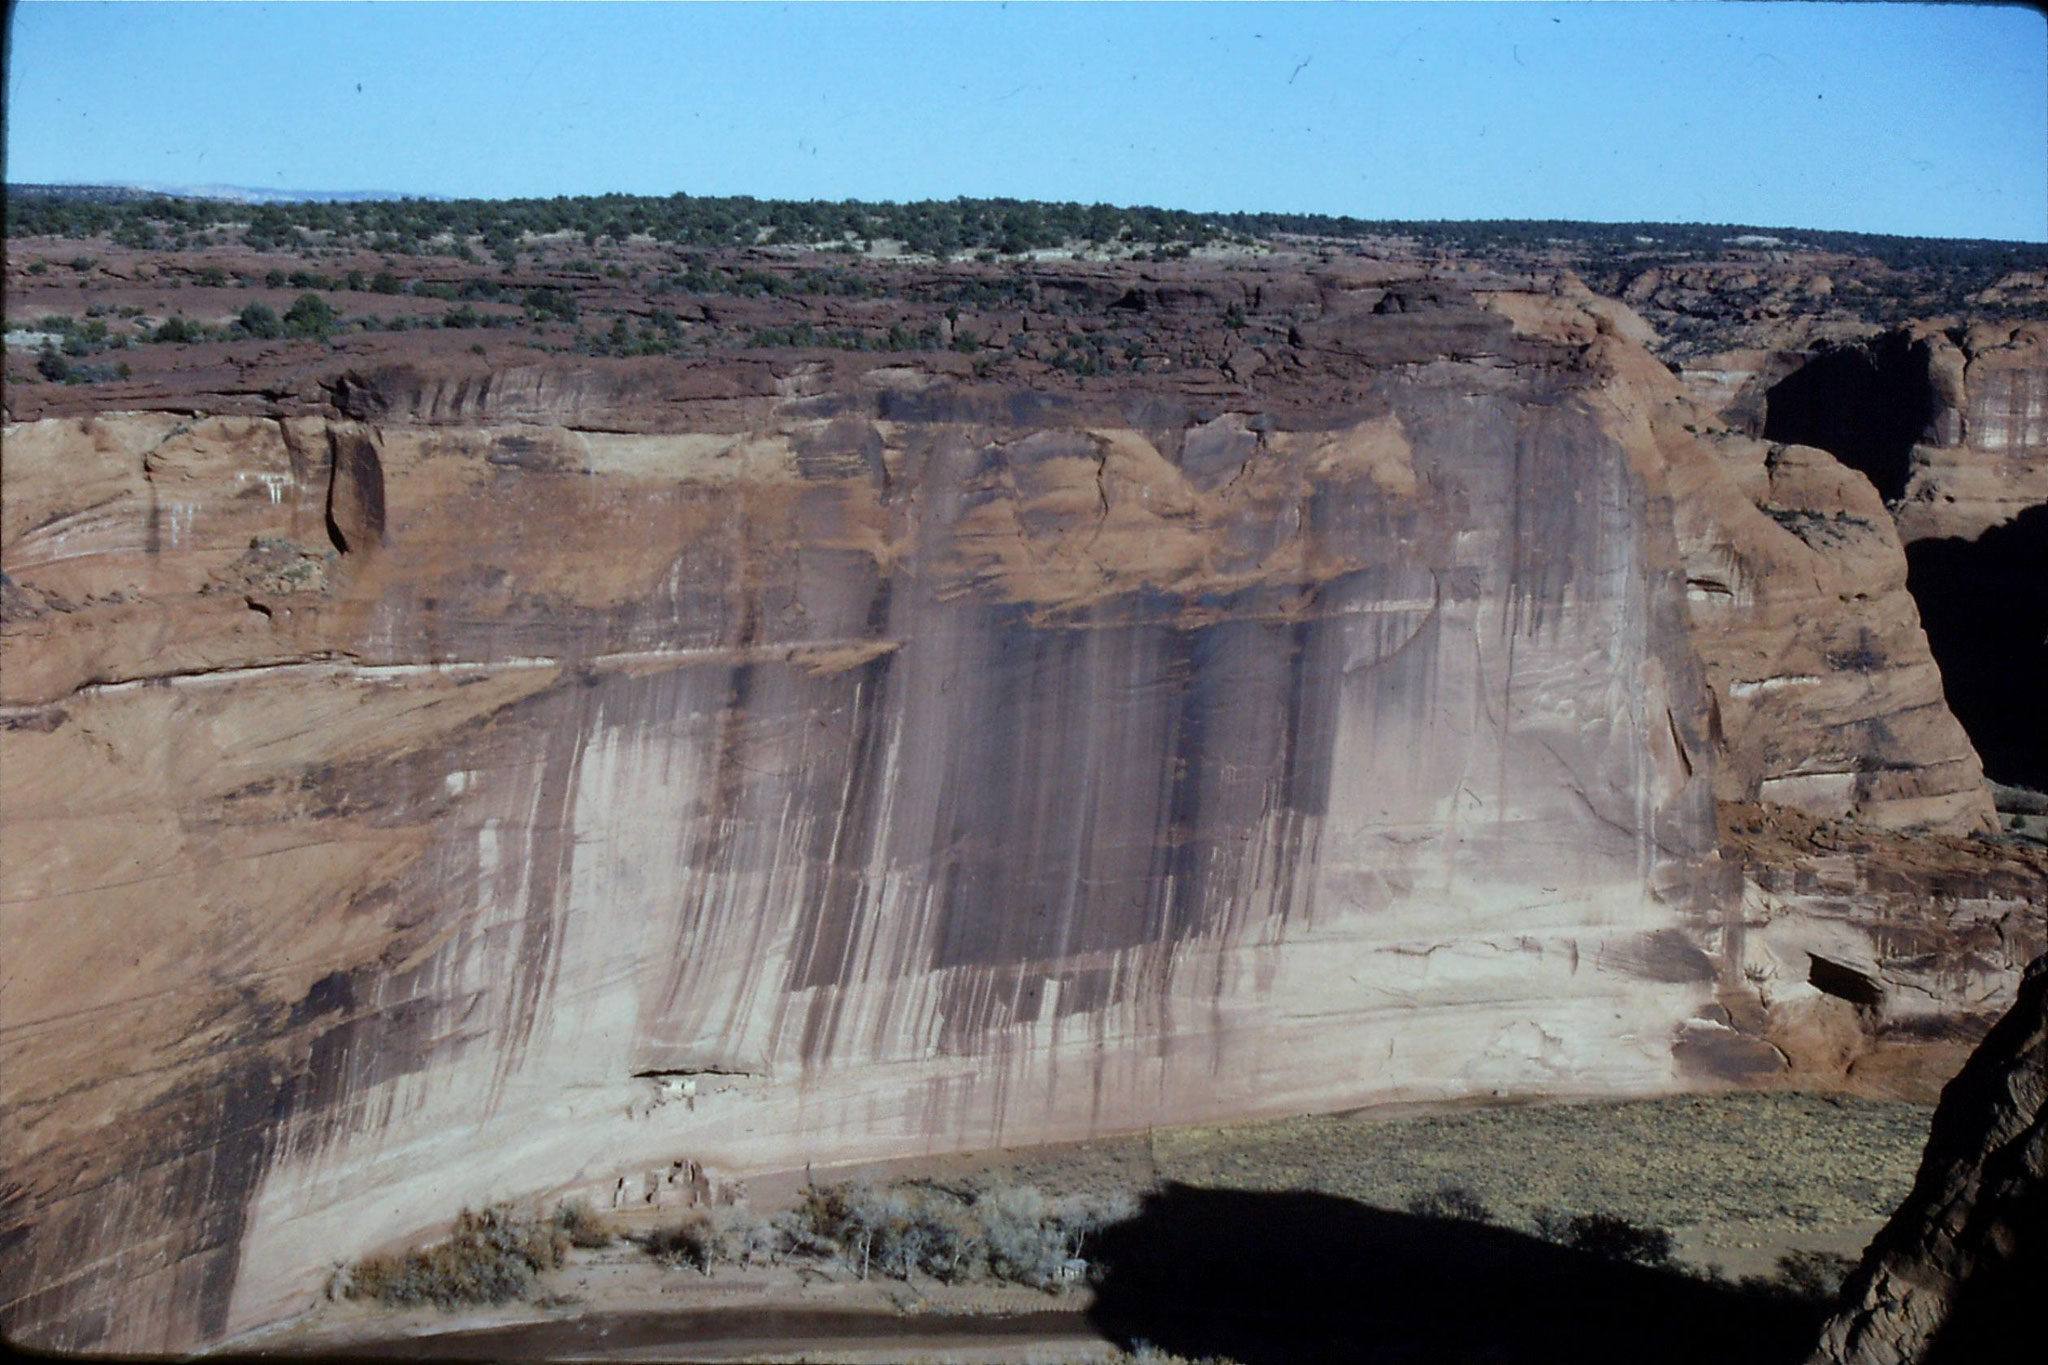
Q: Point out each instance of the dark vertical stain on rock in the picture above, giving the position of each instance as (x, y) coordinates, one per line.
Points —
(550, 854)
(829, 931)
(355, 491)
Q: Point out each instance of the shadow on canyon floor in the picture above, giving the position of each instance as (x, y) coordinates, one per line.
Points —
(1293, 1278)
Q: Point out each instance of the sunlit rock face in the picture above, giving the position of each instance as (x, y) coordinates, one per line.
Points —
(1950, 424)
(1827, 696)
(1952, 427)
(925, 765)
(1824, 694)
(1984, 459)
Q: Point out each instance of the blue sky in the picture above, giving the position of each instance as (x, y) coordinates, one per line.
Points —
(1879, 117)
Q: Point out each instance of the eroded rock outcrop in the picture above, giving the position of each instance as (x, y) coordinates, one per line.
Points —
(1829, 697)
(391, 790)
(1948, 421)
(1951, 425)
(1825, 695)
(1956, 1275)
(1984, 459)
(1877, 960)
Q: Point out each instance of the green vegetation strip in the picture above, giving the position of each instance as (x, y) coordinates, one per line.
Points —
(1009, 226)
(1784, 1160)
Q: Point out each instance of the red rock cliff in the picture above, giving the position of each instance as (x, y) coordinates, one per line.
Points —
(939, 763)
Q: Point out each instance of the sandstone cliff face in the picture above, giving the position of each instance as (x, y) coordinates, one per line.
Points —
(394, 794)
(1877, 959)
(1949, 422)
(1829, 699)
(1825, 695)
(1956, 1275)
(1984, 458)
(1950, 427)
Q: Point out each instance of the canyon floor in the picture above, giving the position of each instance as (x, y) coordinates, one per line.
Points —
(1739, 1179)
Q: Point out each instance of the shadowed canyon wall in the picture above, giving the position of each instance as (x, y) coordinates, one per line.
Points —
(922, 764)
(1985, 602)
(1948, 421)
(1956, 1275)
(1867, 404)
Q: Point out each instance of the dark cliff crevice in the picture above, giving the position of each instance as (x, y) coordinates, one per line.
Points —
(1984, 604)
(1865, 403)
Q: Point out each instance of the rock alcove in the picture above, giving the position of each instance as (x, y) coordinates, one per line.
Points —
(1865, 403)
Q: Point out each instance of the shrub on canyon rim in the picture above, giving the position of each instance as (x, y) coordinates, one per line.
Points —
(309, 316)
(258, 320)
(178, 330)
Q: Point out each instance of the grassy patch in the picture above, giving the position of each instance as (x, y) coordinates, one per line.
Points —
(1778, 1160)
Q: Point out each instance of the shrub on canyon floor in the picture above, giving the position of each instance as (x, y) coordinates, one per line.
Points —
(703, 1239)
(1812, 1276)
(896, 1232)
(581, 1224)
(1031, 1239)
(692, 1243)
(1013, 1234)
(1145, 1353)
(492, 1256)
(1808, 1277)
(1607, 1235)
(1451, 1202)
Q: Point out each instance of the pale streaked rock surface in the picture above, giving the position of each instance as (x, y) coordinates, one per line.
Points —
(922, 764)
